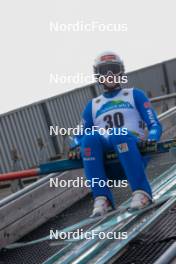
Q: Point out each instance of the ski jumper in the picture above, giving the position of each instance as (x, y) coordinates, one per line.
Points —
(124, 108)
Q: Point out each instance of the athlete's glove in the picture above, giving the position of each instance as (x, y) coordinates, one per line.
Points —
(154, 134)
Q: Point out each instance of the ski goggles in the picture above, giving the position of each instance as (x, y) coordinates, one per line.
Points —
(104, 69)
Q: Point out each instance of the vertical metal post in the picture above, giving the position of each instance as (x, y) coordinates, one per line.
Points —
(49, 123)
(166, 79)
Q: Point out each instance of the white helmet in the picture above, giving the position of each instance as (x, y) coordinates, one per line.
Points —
(108, 62)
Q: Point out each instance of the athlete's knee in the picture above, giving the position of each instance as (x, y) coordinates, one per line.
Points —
(117, 139)
(90, 139)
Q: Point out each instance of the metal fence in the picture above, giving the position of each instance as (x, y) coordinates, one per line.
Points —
(150, 79)
(24, 138)
(171, 74)
(24, 133)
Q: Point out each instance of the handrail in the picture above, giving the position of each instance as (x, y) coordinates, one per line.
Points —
(28, 188)
(167, 113)
(168, 255)
(162, 97)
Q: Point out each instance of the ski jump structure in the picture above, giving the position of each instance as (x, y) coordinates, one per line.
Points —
(91, 251)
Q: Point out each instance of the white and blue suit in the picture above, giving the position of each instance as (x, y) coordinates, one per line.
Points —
(124, 108)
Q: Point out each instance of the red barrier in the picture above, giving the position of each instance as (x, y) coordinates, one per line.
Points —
(19, 174)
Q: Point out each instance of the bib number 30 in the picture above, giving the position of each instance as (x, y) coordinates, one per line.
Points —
(115, 120)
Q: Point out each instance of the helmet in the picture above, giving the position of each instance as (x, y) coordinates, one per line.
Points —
(108, 62)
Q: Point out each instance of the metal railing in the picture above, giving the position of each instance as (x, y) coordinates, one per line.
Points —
(163, 97)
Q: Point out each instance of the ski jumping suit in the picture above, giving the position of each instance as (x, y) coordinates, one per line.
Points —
(124, 108)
